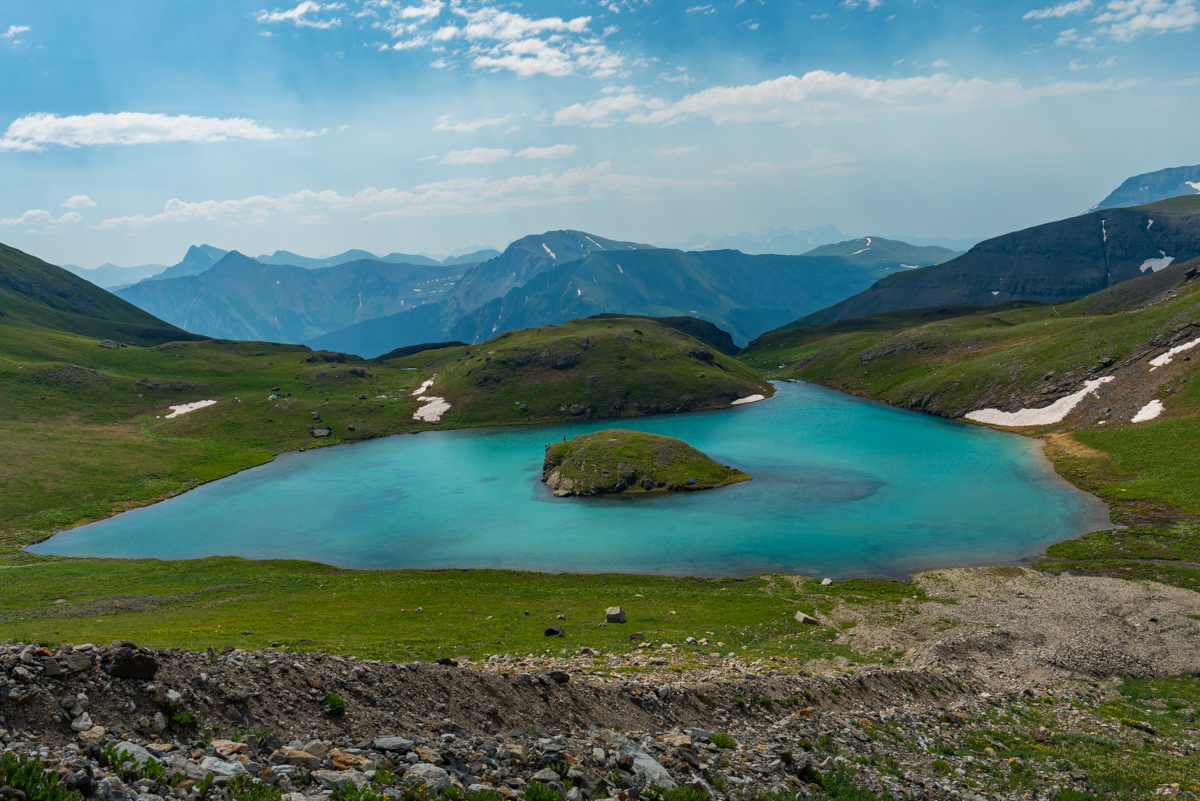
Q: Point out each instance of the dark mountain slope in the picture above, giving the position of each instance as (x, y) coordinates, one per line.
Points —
(1050, 263)
(198, 259)
(742, 294)
(35, 294)
(241, 298)
(521, 261)
(1153, 186)
(283, 257)
(875, 251)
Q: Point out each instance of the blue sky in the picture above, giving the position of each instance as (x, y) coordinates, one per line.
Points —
(132, 129)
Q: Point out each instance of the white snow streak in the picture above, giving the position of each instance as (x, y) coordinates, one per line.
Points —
(1148, 412)
(594, 242)
(189, 407)
(551, 252)
(1054, 413)
(748, 399)
(1165, 359)
(1157, 264)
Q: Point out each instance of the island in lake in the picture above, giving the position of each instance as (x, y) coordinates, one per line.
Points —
(616, 460)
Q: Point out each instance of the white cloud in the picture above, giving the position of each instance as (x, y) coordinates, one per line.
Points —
(820, 97)
(677, 151)
(552, 152)
(940, 63)
(476, 155)
(79, 202)
(443, 123)
(36, 131)
(42, 217)
(702, 10)
(870, 4)
(10, 37)
(299, 16)
(1060, 11)
(1124, 20)
(1076, 65)
(450, 197)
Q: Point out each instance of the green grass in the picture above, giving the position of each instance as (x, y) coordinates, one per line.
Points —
(305, 606)
(615, 460)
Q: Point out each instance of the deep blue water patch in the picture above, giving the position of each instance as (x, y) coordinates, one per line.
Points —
(842, 487)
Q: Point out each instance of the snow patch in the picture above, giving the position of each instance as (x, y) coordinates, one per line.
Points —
(1165, 359)
(995, 292)
(1148, 228)
(1194, 185)
(424, 386)
(578, 291)
(1103, 230)
(910, 266)
(433, 410)
(1148, 412)
(619, 268)
(1054, 413)
(551, 252)
(1157, 264)
(748, 399)
(188, 407)
(593, 241)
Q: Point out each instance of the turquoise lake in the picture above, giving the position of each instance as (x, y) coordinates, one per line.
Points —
(842, 488)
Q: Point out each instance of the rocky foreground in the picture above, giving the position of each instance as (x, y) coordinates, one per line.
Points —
(1008, 710)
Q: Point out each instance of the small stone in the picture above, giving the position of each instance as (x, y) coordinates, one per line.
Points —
(393, 744)
(559, 676)
(82, 723)
(108, 343)
(825, 582)
(614, 614)
(808, 620)
(78, 662)
(221, 767)
(51, 667)
(555, 631)
(545, 775)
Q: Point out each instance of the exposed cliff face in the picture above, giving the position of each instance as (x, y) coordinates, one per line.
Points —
(620, 461)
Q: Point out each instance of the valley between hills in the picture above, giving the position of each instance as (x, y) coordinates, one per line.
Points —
(1071, 677)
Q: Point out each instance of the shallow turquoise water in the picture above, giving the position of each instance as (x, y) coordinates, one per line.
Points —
(842, 487)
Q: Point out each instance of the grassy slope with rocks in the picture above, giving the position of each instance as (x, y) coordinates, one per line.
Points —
(620, 461)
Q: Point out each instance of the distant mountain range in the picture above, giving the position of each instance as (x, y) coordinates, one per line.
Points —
(111, 275)
(560, 275)
(786, 242)
(1049, 263)
(1152, 187)
(243, 298)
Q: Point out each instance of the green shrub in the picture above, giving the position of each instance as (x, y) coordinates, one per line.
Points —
(764, 701)
(536, 791)
(178, 715)
(940, 766)
(723, 740)
(350, 792)
(335, 704)
(243, 788)
(685, 793)
(32, 778)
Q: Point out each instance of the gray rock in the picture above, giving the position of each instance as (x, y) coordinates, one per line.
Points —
(108, 343)
(825, 582)
(555, 631)
(545, 776)
(644, 765)
(808, 620)
(316, 748)
(78, 662)
(136, 751)
(433, 777)
(158, 723)
(133, 666)
(614, 614)
(221, 767)
(51, 667)
(333, 779)
(82, 723)
(393, 744)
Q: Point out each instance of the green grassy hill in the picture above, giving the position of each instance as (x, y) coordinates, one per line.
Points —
(609, 366)
(1049, 263)
(34, 294)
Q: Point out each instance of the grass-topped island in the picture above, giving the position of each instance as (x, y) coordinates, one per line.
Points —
(616, 460)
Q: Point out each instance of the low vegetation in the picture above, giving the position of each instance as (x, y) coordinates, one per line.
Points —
(616, 460)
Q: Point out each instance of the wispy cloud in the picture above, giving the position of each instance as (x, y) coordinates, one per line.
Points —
(440, 198)
(1059, 11)
(822, 97)
(42, 217)
(12, 37)
(1124, 20)
(444, 124)
(305, 15)
(551, 152)
(824, 162)
(79, 202)
(476, 155)
(37, 131)
(870, 4)
(677, 151)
